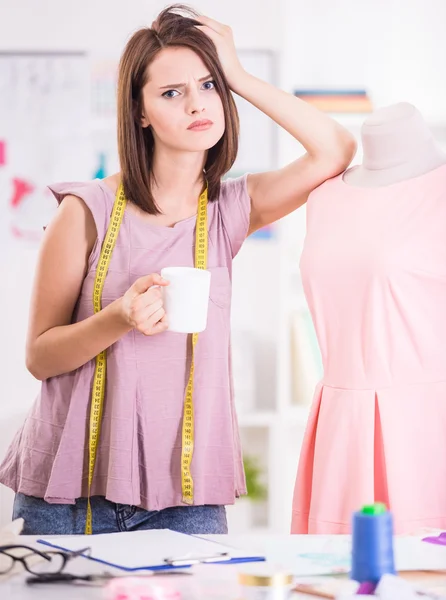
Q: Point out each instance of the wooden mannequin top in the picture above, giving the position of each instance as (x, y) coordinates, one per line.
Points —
(397, 145)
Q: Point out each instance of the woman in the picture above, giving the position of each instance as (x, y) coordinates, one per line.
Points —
(177, 137)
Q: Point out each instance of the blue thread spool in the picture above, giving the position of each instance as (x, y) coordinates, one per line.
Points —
(372, 544)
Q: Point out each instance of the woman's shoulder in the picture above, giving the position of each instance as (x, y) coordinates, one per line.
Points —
(234, 206)
(97, 195)
(86, 190)
(234, 185)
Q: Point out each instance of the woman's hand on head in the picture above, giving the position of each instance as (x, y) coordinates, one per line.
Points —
(223, 39)
(142, 305)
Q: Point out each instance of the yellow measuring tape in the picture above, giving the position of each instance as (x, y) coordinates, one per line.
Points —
(98, 389)
(187, 446)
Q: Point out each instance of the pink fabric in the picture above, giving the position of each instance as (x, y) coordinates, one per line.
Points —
(138, 459)
(374, 274)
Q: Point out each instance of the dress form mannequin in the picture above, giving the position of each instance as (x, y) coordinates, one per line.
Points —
(397, 145)
(373, 269)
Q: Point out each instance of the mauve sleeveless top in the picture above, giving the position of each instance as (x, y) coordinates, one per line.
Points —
(138, 459)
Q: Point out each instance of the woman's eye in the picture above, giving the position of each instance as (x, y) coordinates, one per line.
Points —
(209, 85)
(170, 94)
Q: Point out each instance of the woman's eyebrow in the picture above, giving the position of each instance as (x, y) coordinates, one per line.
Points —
(177, 85)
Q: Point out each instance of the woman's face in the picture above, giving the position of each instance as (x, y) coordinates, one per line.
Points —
(181, 103)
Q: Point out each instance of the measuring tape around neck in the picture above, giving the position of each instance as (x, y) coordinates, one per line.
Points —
(99, 379)
(187, 445)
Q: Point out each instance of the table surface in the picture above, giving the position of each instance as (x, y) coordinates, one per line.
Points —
(207, 582)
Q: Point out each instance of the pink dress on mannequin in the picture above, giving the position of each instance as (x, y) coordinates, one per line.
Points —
(374, 274)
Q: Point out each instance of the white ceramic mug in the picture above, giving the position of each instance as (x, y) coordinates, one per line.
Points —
(186, 298)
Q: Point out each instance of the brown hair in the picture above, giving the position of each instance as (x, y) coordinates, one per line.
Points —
(174, 27)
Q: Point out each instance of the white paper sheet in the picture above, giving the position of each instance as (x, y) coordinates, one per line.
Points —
(146, 549)
(314, 555)
(332, 555)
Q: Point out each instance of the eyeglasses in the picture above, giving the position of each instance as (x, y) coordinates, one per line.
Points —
(55, 561)
(51, 571)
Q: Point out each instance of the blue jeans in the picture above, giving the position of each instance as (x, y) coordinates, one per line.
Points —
(42, 518)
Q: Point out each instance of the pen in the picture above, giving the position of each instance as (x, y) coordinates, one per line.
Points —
(310, 590)
(194, 560)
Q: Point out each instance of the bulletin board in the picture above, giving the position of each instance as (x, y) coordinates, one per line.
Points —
(44, 127)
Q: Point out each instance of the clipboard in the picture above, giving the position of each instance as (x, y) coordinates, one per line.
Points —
(153, 550)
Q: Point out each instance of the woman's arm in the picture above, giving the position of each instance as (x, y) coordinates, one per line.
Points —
(329, 147)
(329, 150)
(54, 344)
